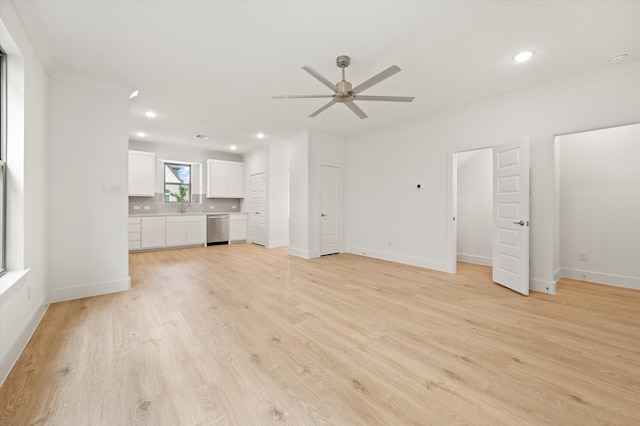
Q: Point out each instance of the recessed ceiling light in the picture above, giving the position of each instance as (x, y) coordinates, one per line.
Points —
(141, 134)
(233, 147)
(150, 114)
(134, 94)
(523, 56)
(260, 135)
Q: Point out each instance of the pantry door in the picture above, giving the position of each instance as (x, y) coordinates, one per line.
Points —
(258, 211)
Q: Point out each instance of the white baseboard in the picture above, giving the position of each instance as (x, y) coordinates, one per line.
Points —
(407, 260)
(17, 346)
(96, 289)
(542, 286)
(275, 244)
(299, 253)
(476, 260)
(599, 277)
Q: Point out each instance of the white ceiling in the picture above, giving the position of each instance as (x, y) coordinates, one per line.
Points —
(211, 67)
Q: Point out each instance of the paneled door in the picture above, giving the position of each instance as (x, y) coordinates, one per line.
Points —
(258, 211)
(330, 209)
(511, 215)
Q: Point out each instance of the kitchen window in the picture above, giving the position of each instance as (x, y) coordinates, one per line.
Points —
(177, 183)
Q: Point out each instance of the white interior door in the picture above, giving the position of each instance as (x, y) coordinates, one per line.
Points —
(511, 215)
(258, 211)
(330, 197)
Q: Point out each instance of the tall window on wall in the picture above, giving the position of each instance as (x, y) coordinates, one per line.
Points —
(177, 183)
(3, 163)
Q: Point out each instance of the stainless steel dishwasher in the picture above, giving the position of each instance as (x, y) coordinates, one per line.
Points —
(217, 229)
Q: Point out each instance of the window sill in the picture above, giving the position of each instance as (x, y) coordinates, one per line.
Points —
(11, 278)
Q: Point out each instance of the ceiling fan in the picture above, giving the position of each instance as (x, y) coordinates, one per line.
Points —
(345, 93)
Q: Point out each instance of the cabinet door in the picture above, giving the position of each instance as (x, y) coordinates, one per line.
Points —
(238, 227)
(197, 233)
(152, 232)
(141, 173)
(176, 234)
(218, 181)
(236, 180)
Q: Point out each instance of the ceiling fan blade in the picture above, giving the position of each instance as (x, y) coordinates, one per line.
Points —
(320, 78)
(385, 98)
(323, 108)
(393, 69)
(353, 107)
(302, 96)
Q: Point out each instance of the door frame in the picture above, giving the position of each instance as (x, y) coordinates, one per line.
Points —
(452, 229)
(452, 205)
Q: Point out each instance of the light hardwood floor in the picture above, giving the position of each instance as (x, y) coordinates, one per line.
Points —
(242, 335)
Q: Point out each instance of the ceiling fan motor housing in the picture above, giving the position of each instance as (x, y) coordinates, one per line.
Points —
(343, 92)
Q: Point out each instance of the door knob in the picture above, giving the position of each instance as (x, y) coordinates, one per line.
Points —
(323, 215)
(521, 223)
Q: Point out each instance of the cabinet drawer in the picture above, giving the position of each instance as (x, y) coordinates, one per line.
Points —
(134, 244)
(133, 236)
(134, 227)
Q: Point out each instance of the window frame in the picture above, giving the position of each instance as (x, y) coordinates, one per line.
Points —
(3, 162)
(166, 196)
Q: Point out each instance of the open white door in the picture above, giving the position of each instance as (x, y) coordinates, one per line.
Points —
(511, 215)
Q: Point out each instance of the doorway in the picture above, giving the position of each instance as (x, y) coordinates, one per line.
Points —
(598, 205)
(509, 211)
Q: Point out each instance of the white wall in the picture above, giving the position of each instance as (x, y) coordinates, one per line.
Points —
(385, 166)
(25, 301)
(278, 206)
(475, 206)
(600, 205)
(299, 196)
(87, 186)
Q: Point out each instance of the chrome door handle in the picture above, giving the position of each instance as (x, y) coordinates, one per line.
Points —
(521, 223)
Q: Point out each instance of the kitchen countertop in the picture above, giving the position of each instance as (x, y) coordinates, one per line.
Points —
(181, 214)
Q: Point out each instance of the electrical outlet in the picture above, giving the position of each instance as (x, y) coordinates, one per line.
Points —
(582, 256)
(136, 207)
(233, 207)
(211, 207)
(147, 207)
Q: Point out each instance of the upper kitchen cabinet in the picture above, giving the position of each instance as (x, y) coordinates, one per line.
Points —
(225, 179)
(142, 173)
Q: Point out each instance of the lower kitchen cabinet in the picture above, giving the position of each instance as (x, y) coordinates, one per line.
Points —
(185, 230)
(152, 232)
(134, 233)
(238, 227)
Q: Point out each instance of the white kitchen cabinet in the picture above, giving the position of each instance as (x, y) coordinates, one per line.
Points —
(185, 230)
(134, 233)
(225, 179)
(238, 227)
(142, 173)
(152, 232)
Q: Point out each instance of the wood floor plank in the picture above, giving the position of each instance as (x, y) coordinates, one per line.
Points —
(243, 335)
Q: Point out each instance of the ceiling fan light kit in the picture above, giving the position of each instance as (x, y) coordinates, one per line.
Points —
(345, 93)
